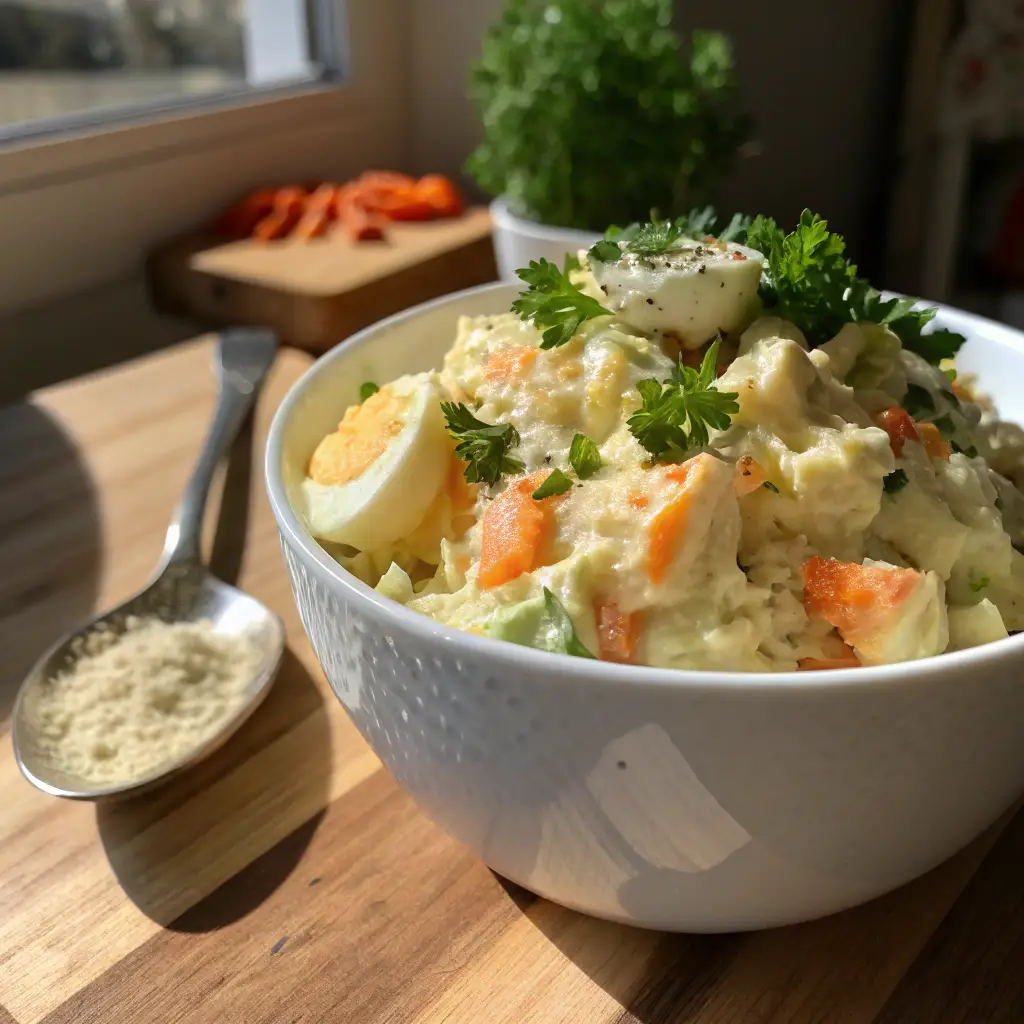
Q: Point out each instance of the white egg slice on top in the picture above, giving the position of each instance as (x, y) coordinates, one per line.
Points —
(371, 482)
(693, 291)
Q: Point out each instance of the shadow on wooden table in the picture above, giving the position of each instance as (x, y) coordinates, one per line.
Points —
(678, 969)
(212, 845)
(50, 541)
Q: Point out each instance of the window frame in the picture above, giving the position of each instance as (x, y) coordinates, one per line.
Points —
(84, 201)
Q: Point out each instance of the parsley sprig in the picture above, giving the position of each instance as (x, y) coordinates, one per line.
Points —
(554, 303)
(484, 447)
(584, 456)
(678, 414)
(657, 237)
(809, 281)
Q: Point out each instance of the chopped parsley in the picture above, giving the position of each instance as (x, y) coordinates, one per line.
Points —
(584, 457)
(895, 481)
(979, 584)
(971, 452)
(484, 447)
(366, 389)
(809, 281)
(561, 633)
(554, 303)
(556, 482)
(918, 401)
(769, 486)
(947, 428)
(657, 237)
(676, 415)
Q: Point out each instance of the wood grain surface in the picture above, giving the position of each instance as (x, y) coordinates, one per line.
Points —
(315, 293)
(289, 879)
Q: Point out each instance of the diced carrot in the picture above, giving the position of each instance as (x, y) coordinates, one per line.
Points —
(385, 179)
(666, 529)
(618, 632)
(285, 215)
(896, 422)
(440, 194)
(318, 212)
(510, 363)
(362, 225)
(637, 501)
(462, 491)
(961, 392)
(856, 599)
(396, 202)
(748, 476)
(934, 443)
(515, 531)
(238, 221)
(275, 226)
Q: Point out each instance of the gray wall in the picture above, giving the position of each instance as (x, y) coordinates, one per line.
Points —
(821, 77)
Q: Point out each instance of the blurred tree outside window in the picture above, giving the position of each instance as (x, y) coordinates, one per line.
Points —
(69, 57)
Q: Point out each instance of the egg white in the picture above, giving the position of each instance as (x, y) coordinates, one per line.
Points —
(390, 497)
(694, 291)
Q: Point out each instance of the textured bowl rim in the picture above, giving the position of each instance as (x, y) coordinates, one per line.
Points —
(525, 659)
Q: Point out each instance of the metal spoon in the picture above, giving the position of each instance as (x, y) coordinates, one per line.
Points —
(181, 590)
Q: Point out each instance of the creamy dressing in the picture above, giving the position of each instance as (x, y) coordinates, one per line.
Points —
(709, 570)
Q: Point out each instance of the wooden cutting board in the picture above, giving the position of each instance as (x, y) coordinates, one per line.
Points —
(316, 293)
(289, 880)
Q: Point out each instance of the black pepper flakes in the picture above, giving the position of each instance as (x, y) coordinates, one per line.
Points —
(650, 302)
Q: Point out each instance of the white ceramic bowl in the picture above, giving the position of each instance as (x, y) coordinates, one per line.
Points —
(517, 241)
(691, 801)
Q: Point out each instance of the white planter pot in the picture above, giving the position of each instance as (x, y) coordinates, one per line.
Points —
(517, 241)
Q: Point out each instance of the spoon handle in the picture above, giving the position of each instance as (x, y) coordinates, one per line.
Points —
(244, 355)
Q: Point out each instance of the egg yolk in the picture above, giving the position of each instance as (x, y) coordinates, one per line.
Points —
(361, 439)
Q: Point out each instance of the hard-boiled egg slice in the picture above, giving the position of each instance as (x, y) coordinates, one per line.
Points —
(371, 482)
(694, 291)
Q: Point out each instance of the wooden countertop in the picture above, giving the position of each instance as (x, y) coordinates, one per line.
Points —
(289, 879)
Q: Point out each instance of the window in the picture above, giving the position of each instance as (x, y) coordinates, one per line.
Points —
(315, 88)
(63, 59)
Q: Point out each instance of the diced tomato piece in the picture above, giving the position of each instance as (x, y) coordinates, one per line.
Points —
(897, 423)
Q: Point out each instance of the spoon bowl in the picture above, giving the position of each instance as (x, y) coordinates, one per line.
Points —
(182, 593)
(182, 590)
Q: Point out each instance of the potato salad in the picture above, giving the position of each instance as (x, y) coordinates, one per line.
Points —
(700, 446)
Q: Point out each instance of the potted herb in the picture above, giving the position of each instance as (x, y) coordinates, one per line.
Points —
(593, 114)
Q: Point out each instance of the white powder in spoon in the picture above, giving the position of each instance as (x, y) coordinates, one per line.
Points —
(135, 701)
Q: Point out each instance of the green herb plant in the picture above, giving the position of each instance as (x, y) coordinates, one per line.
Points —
(592, 112)
(809, 281)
